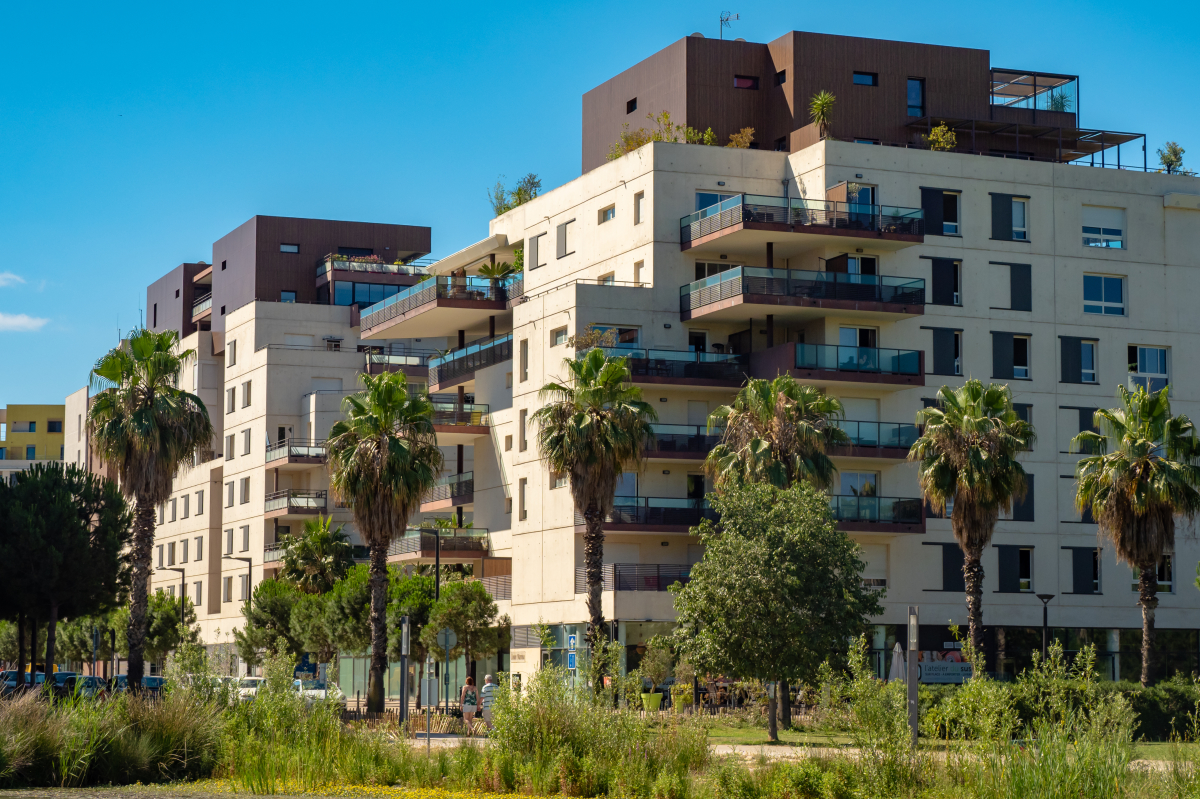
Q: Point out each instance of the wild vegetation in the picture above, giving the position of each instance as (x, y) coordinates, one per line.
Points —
(663, 129)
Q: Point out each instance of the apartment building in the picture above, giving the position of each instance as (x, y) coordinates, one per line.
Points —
(877, 273)
(29, 434)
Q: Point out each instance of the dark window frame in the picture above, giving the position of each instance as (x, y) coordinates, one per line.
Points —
(630, 106)
(872, 78)
(753, 79)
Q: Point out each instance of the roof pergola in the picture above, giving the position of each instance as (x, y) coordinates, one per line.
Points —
(1072, 143)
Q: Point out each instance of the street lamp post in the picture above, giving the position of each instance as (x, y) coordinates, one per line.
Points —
(182, 592)
(1045, 622)
(249, 571)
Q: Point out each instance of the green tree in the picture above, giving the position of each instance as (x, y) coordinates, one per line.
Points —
(317, 558)
(772, 548)
(820, 109)
(268, 622)
(504, 200)
(1171, 158)
(410, 595)
(1142, 472)
(145, 430)
(163, 630)
(593, 428)
(968, 466)
(310, 626)
(383, 457)
(348, 612)
(777, 432)
(468, 609)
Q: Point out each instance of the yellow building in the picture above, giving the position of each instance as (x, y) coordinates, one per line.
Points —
(31, 433)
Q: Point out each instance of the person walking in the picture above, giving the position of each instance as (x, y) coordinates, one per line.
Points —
(489, 697)
(469, 701)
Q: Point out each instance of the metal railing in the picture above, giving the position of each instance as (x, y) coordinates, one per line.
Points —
(468, 413)
(397, 355)
(295, 448)
(453, 541)
(202, 304)
(803, 284)
(297, 500)
(831, 357)
(499, 586)
(683, 438)
(344, 263)
(452, 487)
(467, 360)
(273, 553)
(884, 510)
(656, 577)
(681, 364)
(681, 511)
(880, 434)
(796, 211)
(437, 288)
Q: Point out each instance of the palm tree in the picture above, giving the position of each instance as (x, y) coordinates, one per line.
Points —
(500, 270)
(820, 108)
(968, 464)
(593, 428)
(1135, 491)
(317, 558)
(776, 431)
(145, 429)
(383, 457)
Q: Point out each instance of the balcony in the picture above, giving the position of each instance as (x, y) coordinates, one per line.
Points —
(683, 367)
(459, 367)
(653, 515)
(202, 307)
(397, 358)
(747, 222)
(371, 265)
(798, 295)
(457, 545)
(855, 514)
(295, 502)
(830, 364)
(295, 453)
(451, 491)
(438, 306)
(458, 422)
(877, 439)
(657, 577)
(681, 442)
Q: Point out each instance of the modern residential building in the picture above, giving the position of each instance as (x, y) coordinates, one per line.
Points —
(877, 273)
(29, 434)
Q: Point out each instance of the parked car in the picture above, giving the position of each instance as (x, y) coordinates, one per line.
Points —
(86, 686)
(9, 680)
(315, 691)
(151, 683)
(248, 688)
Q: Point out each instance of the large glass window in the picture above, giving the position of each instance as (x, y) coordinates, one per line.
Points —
(1148, 367)
(704, 270)
(343, 293)
(1166, 577)
(916, 97)
(859, 484)
(1020, 228)
(1021, 357)
(1104, 294)
(706, 199)
(866, 79)
(950, 202)
(625, 336)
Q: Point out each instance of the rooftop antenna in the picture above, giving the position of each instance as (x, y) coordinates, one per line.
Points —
(726, 18)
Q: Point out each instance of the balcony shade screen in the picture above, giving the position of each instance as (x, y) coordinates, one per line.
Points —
(1009, 568)
(1083, 563)
(943, 350)
(932, 203)
(1023, 510)
(1072, 360)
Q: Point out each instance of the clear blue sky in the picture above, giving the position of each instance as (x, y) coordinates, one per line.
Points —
(132, 137)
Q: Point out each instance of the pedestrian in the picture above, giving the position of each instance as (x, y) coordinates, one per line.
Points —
(489, 697)
(469, 702)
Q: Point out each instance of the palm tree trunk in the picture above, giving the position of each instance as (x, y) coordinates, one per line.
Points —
(593, 569)
(1148, 599)
(378, 583)
(973, 578)
(139, 590)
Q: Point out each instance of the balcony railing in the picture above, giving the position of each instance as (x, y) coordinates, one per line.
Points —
(694, 439)
(295, 448)
(452, 487)
(456, 541)
(681, 364)
(796, 211)
(202, 304)
(397, 355)
(880, 434)
(802, 284)
(831, 357)
(682, 512)
(467, 413)
(344, 264)
(636, 576)
(438, 288)
(295, 500)
(273, 553)
(884, 510)
(467, 360)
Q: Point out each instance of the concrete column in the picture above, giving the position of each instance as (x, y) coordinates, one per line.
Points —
(491, 327)
(462, 339)
(460, 459)
(462, 397)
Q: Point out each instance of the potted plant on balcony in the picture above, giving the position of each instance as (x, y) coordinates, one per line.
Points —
(655, 667)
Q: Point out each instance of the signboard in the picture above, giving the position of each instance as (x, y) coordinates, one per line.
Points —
(447, 640)
(942, 667)
(571, 643)
(571, 661)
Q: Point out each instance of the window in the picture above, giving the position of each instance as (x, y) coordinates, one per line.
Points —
(230, 400)
(162, 513)
(246, 538)
(558, 480)
(289, 248)
(508, 505)
(745, 82)
(1019, 230)
(534, 257)
(1087, 360)
(171, 591)
(707, 199)
(1021, 357)
(558, 336)
(229, 447)
(222, 266)
(227, 594)
(524, 359)
(1025, 568)
(229, 541)
(522, 444)
(1073, 355)
(1010, 356)
(1148, 367)
(199, 503)
(638, 200)
(638, 266)
(160, 556)
(1104, 294)
(245, 490)
(607, 214)
(916, 97)
(198, 591)
(1015, 568)
(174, 508)
(947, 281)
(287, 296)
(229, 494)
(781, 144)
(622, 336)
(609, 279)
(243, 587)
(1103, 227)
(565, 239)
(199, 547)
(53, 426)
(30, 453)
(521, 512)
(186, 501)
(155, 316)
(507, 443)
(1085, 570)
(781, 77)
(862, 337)
(79, 428)
(183, 549)
(1009, 217)
(343, 293)
(246, 394)
(1166, 577)
(231, 359)
(24, 427)
(950, 206)
(867, 79)
(630, 106)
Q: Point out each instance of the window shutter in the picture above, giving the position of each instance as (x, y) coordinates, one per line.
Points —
(1024, 410)
(1082, 561)
(931, 204)
(1009, 569)
(1023, 510)
(1002, 217)
(943, 281)
(952, 568)
(839, 263)
(531, 259)
(562, 240)
(1072, 363)
(943, 351)
(1021, 281)
(1002, 355)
